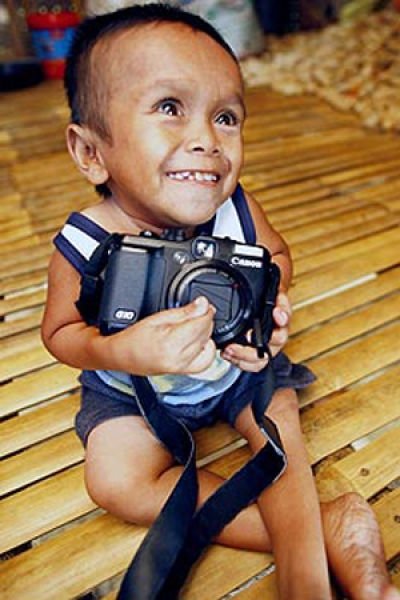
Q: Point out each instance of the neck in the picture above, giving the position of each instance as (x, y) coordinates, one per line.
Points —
(133, 224)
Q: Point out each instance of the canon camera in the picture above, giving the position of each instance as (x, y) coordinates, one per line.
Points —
(145, 274)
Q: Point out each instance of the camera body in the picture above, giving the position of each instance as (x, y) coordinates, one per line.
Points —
(146, 274)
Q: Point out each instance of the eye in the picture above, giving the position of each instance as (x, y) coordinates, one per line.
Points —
(170, 107)
(228, 118)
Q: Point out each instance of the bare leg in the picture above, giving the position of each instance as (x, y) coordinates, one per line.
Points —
(351, 532)
(290, 508)
(131, 475)
(355, 549)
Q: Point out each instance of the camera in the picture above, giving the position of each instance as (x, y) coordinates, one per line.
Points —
(146, 273)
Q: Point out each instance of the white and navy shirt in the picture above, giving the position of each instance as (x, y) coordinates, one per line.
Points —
(77, 241)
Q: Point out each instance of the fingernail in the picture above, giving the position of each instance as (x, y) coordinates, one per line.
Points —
(283, 316)
(201, 304)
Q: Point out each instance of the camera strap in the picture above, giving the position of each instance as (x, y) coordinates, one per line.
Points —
(89, 299)
(180, 533)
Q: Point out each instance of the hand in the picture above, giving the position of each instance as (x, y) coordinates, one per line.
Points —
(245, 357)
(174, 341)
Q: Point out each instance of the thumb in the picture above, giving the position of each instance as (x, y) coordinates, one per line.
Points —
(197, 308)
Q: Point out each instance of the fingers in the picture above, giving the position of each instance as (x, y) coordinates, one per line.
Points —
(199, 307)
(282, 311)
(244, 357)
(203, 359)
(278, 339)
(184, 337)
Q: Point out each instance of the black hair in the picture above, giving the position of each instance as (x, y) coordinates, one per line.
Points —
(85, 101)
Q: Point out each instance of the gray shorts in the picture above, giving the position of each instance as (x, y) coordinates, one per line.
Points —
(100, 402)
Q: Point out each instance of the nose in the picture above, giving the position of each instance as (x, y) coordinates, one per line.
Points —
(203, 139)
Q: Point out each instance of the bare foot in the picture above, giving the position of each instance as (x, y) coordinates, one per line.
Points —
(355, 550)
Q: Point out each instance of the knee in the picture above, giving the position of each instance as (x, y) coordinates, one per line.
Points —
(284, 404)
(122, 495)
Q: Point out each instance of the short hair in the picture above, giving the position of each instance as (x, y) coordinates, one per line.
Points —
(85, 96)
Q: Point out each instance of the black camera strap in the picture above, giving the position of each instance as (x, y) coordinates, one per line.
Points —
(180, 533)
(89, 299)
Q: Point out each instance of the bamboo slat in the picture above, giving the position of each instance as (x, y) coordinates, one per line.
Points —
(345, 301)
(44, 384)
(370, 469)
(347, 416)
(32, 427)
(332, 188)
(351, 363)
(39, 461)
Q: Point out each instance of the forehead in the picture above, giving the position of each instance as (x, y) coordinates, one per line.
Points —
(150, 52)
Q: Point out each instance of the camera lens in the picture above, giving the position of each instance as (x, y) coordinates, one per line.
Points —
(225, 288)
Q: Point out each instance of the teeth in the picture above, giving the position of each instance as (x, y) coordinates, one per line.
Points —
(193, 176)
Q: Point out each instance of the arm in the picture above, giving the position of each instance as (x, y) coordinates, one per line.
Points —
(173, 341)
(268, 237)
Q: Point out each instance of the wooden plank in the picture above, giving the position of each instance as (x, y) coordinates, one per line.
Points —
(329, 225)
(369, 470)
(327, 254)
(38, 425)
(22, 301)
(42, 385)
(222, 569)
(345, 417)
(343, 272)
(345, 301)
(327, 248)
(329, 209)
(20, 257)
(316, 166)
(53, 570)
(24, 280)
(387, 513)
(105, 546)
(24, 361)
(39, 461)
(257, 183)
(264, 588)
(350, 364)
(26, 267)
(343, 329)
(43, 507)
(24, 243)
(21, 324)
(285, 197)
(365, 170)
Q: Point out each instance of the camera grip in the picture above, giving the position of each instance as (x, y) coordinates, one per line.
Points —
(263, 328)
(270, 301)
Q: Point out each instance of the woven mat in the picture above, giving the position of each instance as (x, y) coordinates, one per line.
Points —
(354, 66)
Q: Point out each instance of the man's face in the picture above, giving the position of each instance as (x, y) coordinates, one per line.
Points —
(175, 112)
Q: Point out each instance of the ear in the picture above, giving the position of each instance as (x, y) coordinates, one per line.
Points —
(83, 147)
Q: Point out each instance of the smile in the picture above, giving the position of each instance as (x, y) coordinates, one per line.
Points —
(200, 176)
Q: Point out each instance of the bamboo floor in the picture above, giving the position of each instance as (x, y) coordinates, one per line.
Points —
(332, 189)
